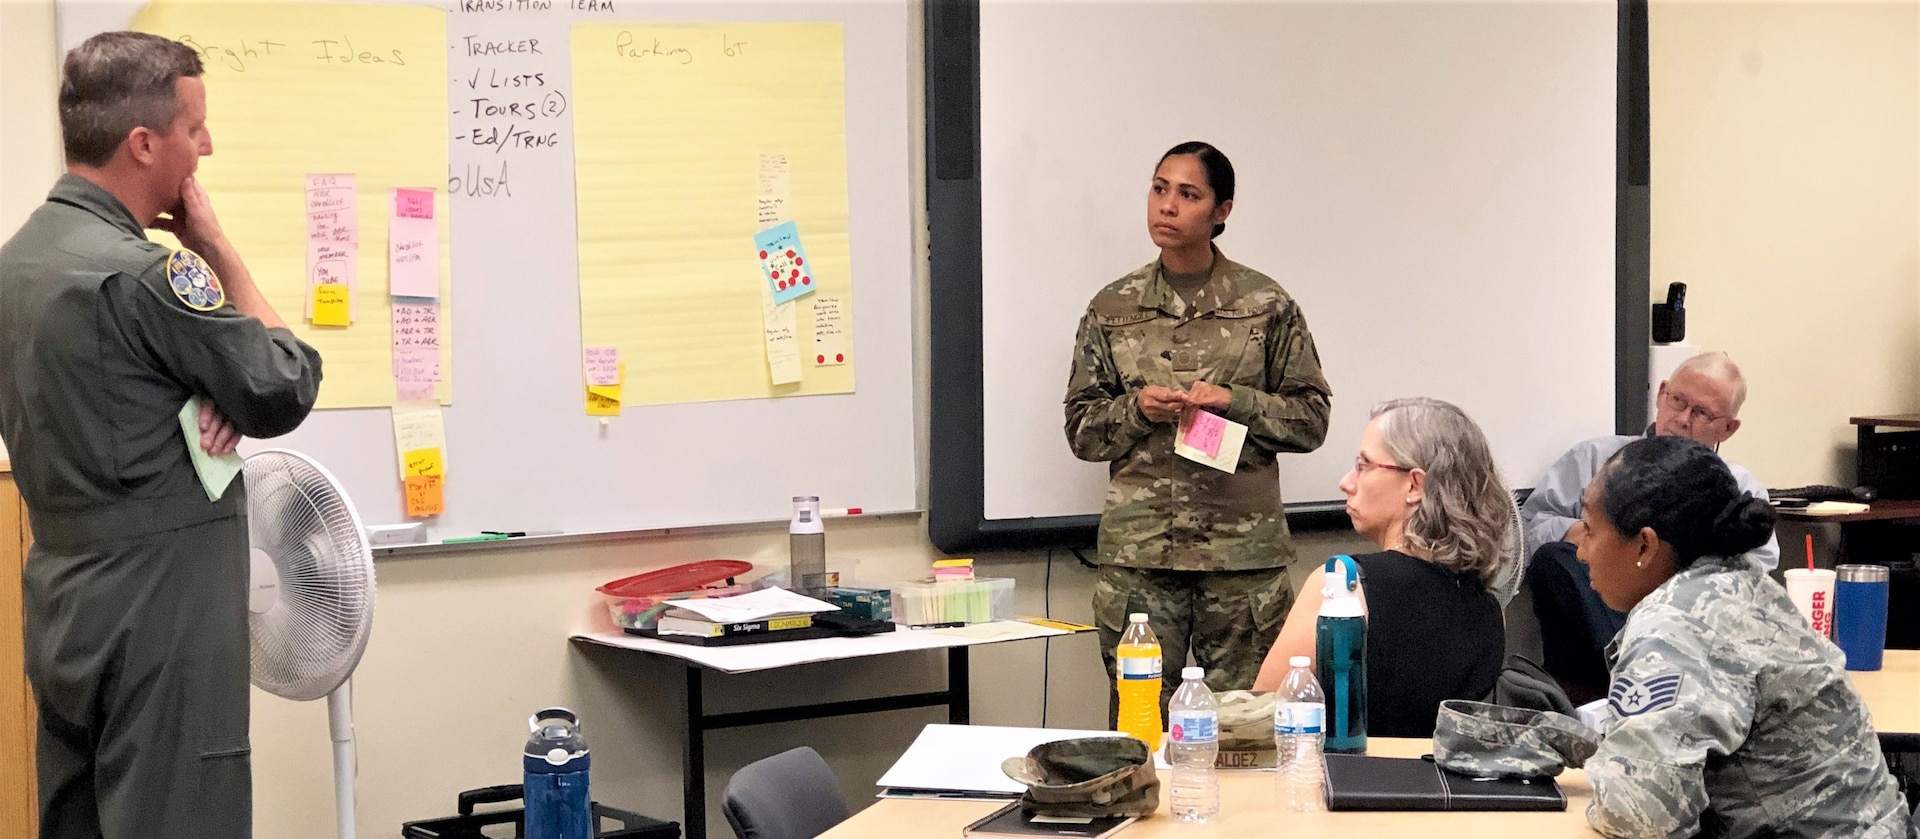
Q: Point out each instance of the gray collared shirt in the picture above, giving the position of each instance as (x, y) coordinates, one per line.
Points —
(1555, 503)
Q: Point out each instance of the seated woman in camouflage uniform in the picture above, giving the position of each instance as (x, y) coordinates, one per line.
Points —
(1425, 489)
(1728, 715)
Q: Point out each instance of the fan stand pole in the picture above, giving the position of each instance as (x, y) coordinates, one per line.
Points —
(340, 724)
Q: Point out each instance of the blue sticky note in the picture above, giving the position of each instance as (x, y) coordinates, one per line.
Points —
(783, 262)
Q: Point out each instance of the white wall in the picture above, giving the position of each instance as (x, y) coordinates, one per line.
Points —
(1785, 189)
(467, 644)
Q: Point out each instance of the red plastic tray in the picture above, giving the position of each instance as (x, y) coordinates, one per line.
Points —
(685, 577)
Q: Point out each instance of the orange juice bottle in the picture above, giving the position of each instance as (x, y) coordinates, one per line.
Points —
(1138, 680)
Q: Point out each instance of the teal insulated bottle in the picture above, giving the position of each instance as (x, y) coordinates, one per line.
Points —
(1341, 651)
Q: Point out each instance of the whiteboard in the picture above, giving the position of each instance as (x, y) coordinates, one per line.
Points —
(521, 453)
(1432, 182)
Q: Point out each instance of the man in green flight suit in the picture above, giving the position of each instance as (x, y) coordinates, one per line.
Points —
(136, 587)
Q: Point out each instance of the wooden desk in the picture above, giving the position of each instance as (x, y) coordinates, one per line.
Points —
(1249, 806)
(1877, 511)
(18, 808)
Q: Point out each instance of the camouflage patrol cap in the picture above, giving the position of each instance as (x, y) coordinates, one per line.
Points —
(1087, 777)
(1494, 741)
(1246, 729)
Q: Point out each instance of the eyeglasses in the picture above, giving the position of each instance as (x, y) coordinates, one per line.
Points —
(1684, 405)
(1361, 464)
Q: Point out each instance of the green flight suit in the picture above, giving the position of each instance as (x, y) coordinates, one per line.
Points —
(136, 588)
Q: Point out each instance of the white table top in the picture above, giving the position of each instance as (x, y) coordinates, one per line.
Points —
(747, 658)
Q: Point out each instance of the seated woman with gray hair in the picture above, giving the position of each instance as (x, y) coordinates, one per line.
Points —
(1425, 489)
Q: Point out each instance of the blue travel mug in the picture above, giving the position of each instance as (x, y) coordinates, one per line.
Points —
(1860, 614)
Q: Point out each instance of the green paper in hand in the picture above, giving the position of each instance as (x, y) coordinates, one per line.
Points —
(215, 471)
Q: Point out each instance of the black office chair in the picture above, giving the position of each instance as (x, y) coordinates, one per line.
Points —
(792, 795)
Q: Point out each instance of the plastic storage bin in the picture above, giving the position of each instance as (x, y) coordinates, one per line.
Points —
(927, 603)
(636, 602)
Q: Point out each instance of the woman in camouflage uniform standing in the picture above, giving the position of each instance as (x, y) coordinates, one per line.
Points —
(1727, 714)
(1204, 552)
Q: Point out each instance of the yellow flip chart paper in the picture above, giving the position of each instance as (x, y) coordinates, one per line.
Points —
(743, 123)
(330, 305)
(300, 88)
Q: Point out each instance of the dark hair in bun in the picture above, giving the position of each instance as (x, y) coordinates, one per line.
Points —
(1685, 492)
(1219, 172)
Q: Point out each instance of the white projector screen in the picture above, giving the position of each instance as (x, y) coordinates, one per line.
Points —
(1433, 182)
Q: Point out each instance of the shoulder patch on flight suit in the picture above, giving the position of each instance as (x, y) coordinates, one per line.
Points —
(193, 281)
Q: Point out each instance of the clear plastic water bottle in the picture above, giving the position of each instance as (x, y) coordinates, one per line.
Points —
(1138, 681)
(1193, 743)
(1299, 724)
(555, 786)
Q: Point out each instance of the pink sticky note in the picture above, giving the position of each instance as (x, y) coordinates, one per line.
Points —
(413, 245)
(603, 366)
(1204, 432)
(413, 203)
(416, 349)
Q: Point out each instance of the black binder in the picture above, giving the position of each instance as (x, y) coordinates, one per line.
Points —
(1359, 782)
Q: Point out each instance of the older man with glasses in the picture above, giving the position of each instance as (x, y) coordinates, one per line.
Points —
(1700, 401)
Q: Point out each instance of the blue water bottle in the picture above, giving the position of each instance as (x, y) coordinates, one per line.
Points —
(1340, 648)
(555, 788)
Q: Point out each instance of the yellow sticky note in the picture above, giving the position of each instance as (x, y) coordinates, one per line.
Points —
(330, 305)
(603, 406)
(604, 400)
(426, 495)
(420, 463)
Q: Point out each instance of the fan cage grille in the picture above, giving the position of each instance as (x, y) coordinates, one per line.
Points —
(309, 641)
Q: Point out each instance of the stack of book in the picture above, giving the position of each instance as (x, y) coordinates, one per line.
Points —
(683, 622)
(765, 615)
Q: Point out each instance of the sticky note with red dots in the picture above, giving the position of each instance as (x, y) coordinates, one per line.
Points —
(830, 344)
(783, 262)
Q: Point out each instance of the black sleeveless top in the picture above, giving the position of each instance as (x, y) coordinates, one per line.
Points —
(1432, 635)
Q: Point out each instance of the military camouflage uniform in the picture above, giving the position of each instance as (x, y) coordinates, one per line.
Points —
(1202, 551)
(1728, 716)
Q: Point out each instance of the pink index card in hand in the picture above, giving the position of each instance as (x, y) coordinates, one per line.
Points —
(1204, 432)
(413, 245)
(603, 366)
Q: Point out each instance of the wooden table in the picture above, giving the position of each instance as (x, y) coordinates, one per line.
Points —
(1892, 694)
(1249, 806)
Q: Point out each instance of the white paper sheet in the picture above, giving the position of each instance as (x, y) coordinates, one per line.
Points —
(967, 758)
(753, 606)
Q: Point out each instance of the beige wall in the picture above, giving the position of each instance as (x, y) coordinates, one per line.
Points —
(1756, 204)
(30, 145)
(1784, 194)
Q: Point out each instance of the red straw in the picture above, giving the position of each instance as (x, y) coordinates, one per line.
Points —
(1809, 552)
